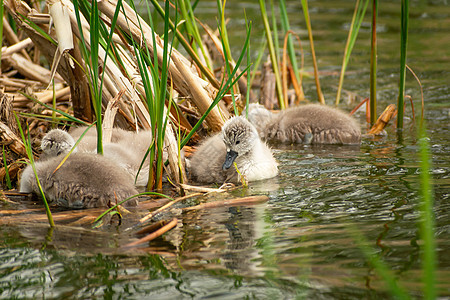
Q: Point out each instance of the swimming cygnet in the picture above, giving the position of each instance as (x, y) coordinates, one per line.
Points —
(238, 142)
(85, 180)
(307, 124)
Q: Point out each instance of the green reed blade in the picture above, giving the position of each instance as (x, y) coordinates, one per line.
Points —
(258, 59)
(427, 222)
(125, 200)
(29, 150)
(154, 82)
(97, 95)
(187, 13)
(313, 53)
(205, 71)
(291, 51)
(276, 42)
(358, 17)
(68, 116)
(249, 65)
(225, 87)
(226, 49)
(273, 55)
(40, 31)
(197, 35)
(91, 59)
(373, 65)
(403, 48)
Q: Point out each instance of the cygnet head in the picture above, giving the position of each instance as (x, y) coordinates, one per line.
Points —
(239, 136)
(57, 142)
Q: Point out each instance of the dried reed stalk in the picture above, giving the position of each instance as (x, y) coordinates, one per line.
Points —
(268, 85)
(12, 140)
(6, 51)
(383, 120)
(185, 80)
(218, 48)
(154, 234)
(151, 214)
(232, 202)
(29, 69)
(11, 37)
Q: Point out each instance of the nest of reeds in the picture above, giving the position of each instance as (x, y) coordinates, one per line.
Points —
(137, 80)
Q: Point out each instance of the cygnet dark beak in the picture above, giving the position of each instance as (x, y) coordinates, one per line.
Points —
(229, 159)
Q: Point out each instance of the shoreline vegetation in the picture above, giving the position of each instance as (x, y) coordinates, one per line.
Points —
(76, 70)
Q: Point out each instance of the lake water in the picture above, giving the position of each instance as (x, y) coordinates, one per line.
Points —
(299, 244)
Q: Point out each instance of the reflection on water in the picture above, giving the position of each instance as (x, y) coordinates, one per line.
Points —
(298, 244)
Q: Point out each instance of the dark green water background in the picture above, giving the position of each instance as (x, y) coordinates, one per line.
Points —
(298, 244)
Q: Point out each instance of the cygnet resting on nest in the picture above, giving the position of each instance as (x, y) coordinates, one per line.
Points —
(126, 148)
(138, 142)
(307, 124)
(238, 142)
(85, 180)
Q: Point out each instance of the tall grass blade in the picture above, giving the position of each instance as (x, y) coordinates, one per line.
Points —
(223, 27)
(91, 58)
(313, 53)
(427, 223)
(247, 96)
(154, 79)
(403, 47)
(273, 54)
(97, 91)
(29, 150)
(373, 65)
(358, 16)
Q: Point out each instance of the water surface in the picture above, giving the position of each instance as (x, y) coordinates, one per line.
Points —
(299, 243)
